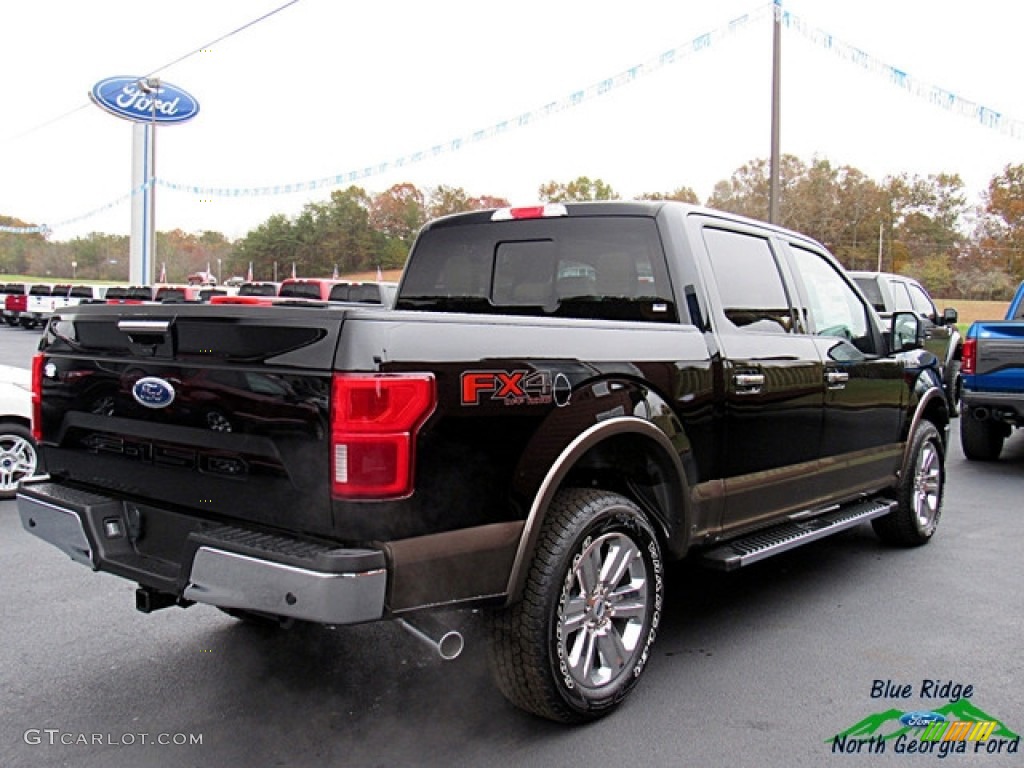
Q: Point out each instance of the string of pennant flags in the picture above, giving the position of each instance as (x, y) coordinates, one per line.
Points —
(934, 95)
(574, 99)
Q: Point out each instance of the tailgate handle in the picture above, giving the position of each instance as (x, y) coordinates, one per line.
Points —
(148, 338)
(143, 326)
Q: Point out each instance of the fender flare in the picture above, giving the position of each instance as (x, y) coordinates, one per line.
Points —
(923, 405)
(560, 469)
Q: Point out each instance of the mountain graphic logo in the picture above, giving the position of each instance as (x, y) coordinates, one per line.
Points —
(886, 725)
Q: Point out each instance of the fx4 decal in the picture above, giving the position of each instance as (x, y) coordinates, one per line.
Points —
(522, 387)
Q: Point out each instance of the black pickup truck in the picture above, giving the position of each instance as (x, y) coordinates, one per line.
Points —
(563, 399)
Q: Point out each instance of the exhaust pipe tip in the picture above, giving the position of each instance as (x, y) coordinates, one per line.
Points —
(447, 643)
(980, 414)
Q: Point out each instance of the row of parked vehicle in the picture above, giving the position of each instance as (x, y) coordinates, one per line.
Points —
(30, 305)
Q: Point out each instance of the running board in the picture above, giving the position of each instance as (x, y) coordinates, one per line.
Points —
(779, 538)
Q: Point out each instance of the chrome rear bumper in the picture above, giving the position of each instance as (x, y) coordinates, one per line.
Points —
(220, 565)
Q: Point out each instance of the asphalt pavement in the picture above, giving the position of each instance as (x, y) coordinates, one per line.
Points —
(761, 667)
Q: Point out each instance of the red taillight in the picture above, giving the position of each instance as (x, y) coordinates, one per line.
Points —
(374, 421)
(37, 397)
(969, 356)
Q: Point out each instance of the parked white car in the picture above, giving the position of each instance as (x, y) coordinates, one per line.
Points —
(18, 455)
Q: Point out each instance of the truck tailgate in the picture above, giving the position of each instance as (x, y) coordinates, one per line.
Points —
(218, 414)
(999, 356)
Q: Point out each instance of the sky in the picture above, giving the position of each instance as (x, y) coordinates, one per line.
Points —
(324, 89)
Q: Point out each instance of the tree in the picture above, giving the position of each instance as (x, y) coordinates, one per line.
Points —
(924, 218)
(16, 248)
(679, 194)
(270, 246)
(746, 192)
(579, 190)
(1004, 206)
(442, 201)
(861, 203)
(399, 212)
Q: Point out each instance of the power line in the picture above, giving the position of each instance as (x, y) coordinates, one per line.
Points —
(223, 37)
(178, 60)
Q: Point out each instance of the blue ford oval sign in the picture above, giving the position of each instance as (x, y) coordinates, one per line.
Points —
(153, 392)
(144, 100)
(921, 718)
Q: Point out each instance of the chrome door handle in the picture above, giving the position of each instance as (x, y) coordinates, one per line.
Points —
(748, 383)
(836, 379)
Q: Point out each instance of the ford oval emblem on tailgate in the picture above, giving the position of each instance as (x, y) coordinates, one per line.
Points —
(153, 392)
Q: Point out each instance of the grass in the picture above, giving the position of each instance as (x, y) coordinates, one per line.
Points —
(970, 311)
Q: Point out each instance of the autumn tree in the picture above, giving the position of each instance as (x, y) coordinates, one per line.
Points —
(579, 190)
(17, 249)
(398, 212)
(746, 192)
(100, 256)
(860, 202)
(679, 194)
(923, 216)
(1004, 208)
(443, 200)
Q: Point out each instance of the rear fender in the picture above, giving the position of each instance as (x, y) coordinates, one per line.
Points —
(932, 406)
(668, 511)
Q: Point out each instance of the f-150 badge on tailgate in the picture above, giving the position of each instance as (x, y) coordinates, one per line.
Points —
(153, 392)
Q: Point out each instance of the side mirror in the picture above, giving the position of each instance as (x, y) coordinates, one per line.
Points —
(905, 331)
(950, 316)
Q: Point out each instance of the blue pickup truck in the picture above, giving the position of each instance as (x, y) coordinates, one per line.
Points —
(993, 382)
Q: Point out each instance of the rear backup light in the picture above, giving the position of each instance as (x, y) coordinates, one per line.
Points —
(531, 212)
(374, 421)
(37, 397)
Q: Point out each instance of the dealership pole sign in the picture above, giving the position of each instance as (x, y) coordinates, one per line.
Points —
(144, 100)
(147, 102)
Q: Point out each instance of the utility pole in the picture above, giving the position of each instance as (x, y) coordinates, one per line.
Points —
(880, 246)
(773, 180)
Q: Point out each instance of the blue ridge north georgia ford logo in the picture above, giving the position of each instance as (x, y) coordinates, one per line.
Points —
(153, 392)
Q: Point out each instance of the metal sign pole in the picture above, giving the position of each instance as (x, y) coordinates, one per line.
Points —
(142, 246)
(146, 101)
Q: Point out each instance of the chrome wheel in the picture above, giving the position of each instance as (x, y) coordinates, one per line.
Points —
(927, 492)
(604, 608)
(18, 459)
(915, 518)
(579, 640)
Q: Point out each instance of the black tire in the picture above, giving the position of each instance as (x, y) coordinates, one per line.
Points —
(19, 457)
(921, 487)
(954, 387)
(981, 439)
(576, 645)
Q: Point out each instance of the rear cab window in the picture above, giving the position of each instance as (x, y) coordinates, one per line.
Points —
(598, 268)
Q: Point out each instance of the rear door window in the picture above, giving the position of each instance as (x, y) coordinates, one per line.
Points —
(900, 296)
(749, 283)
